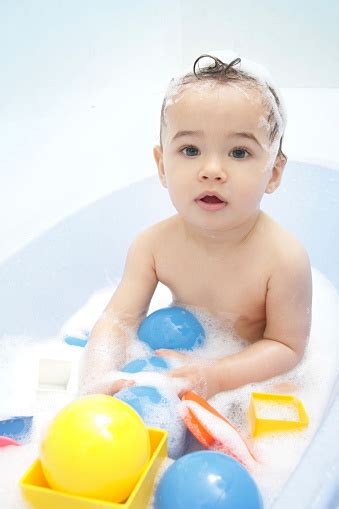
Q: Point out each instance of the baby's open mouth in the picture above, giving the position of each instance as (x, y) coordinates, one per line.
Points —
(211, 199)
(211, 202)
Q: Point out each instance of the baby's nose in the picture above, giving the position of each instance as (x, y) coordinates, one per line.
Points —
(213, 173)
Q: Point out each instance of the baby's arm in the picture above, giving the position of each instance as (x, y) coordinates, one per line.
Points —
(106, 348)
(288, 321)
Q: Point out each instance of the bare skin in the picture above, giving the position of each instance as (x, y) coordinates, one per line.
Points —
(236, 262)
(222, 283)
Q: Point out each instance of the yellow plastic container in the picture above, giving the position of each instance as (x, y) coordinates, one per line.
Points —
(261, 425)
(36, 490)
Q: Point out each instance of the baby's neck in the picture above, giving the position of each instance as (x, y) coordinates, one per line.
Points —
(221, 240)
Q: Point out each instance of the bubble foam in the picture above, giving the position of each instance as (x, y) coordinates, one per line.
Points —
(279, 453)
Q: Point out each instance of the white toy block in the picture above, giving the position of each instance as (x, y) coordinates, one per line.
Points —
(54, 374)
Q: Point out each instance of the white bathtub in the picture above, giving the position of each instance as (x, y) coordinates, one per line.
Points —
(43, 284)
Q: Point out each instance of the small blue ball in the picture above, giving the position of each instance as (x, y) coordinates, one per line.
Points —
(140, 397)
(158, 410)
(172, 327)
(207, 480)
(153, 363)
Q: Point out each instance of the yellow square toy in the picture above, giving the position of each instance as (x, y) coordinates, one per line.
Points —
(36, 490)
(264, 408)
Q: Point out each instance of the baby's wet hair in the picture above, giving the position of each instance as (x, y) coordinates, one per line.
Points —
(221, 72)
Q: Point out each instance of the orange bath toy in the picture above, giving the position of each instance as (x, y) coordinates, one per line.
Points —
(214, 431)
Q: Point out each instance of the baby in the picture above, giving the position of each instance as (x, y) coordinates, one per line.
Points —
(220, 150)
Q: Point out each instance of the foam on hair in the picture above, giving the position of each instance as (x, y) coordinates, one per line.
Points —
(240, 73)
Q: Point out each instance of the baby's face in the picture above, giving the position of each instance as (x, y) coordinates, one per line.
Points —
(216, 157)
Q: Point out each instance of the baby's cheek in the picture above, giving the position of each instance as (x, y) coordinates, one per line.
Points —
(250, 195)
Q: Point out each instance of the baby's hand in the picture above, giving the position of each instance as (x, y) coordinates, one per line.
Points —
(198, 374)
(109, 384)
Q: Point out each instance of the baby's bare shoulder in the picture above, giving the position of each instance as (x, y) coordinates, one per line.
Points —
(159, 231)
(286, 249)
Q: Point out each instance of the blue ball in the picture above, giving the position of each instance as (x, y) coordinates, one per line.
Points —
(171, 327)
(153, 363)
(207, 480)
(141, 398)
(158, 410)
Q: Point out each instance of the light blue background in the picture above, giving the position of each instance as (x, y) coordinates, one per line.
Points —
(82, 83)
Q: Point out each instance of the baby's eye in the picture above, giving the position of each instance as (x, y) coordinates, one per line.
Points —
(239, 152)
(190, 148)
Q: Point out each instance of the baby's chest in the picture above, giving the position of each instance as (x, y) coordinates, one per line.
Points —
(233, 287)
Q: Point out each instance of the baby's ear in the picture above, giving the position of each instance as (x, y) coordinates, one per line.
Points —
(158, 156)
(277, 172)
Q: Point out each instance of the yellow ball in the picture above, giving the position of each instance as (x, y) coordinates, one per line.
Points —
(97, 447)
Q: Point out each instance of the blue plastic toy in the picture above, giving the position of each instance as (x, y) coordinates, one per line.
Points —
(158, 410)
(17, 428)
(141, 398)
(171, 327)
(153, 363)
(74, 341)
(207, 480)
